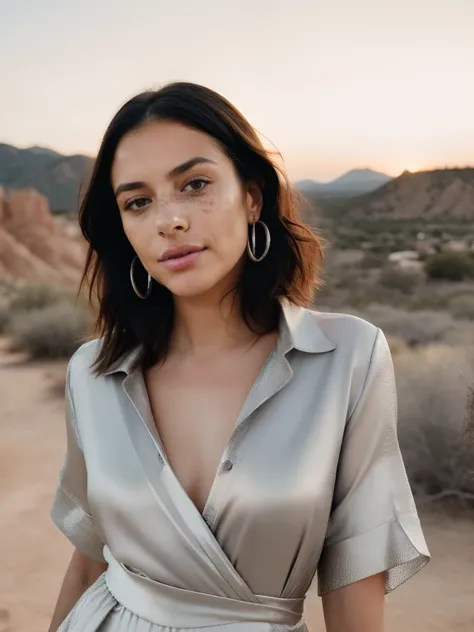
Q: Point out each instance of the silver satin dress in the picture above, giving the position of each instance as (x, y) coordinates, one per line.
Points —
(311, 484)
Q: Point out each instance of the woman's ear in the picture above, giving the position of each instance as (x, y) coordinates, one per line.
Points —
(253, 202)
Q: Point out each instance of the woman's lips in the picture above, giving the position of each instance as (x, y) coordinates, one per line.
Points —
(184, 261)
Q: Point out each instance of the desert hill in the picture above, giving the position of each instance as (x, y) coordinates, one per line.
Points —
(33, 246)
(442, 194)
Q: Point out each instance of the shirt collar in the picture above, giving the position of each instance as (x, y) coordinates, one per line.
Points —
(299, 329)
(125, 362)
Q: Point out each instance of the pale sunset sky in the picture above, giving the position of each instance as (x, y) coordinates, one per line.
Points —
(334, 84)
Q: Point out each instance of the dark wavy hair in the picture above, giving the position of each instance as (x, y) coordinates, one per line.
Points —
(291, 270)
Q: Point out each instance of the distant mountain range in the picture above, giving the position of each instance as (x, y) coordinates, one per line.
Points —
(56, 176)
(355, 182)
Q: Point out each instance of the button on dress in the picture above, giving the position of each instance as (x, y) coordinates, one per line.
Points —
(311, 485)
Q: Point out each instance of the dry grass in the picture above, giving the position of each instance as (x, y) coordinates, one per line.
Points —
(416, 328)
(4, 315)
(463, 306)
(53, 332)
(38, 296)
(393, 278)
(436, 416)
(43, 320)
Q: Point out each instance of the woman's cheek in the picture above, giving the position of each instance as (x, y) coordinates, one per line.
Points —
(208, 204)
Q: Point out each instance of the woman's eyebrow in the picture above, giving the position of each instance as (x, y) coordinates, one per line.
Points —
(176, 171)
(189, 164)
(128, 186)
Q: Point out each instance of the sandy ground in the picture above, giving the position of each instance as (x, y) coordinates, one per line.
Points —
(34, 554)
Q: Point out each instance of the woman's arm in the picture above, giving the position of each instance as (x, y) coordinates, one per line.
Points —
(358, 607)
(81, 573)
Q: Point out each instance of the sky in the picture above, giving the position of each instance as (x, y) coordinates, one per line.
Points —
(332, 84)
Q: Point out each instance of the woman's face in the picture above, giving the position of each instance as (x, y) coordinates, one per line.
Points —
(183, 207)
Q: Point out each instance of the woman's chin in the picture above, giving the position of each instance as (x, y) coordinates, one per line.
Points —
(190, 288)
(195, 283)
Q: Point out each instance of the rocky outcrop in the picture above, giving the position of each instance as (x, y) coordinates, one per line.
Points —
(33, 247)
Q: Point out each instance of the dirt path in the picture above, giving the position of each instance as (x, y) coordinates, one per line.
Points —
(34, 553)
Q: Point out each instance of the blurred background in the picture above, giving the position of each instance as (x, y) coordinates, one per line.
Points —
(371, 105)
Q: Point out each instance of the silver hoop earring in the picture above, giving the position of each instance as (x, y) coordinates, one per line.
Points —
(251, 248)
(134, 285)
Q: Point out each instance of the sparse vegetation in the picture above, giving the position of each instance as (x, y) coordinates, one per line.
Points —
(415, 328)
(392, 277)
(397, 345)
(436, 418)
(4, 315)
(426, 300)
(463, 306)
(373, 260)
(43, 320)
(38, 296)
(452, 266)
(53, 332)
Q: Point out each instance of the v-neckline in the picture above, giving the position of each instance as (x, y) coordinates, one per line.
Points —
(207, 514)
(204, 513)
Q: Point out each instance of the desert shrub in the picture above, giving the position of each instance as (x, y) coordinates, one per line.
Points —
(363, 297)
(4, 315)
(453, 266)
(427, 301)
(52, 332)
(357, 299)
(397, 345)
(415, 328)
(435, 420)
(460, 336)
(469, 418)
(393, 277)
(463, 306)
(373, 260)
(38, 296)
(7, 290)
(349, 279)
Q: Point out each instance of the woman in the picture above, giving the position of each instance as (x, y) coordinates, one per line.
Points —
(224, 442)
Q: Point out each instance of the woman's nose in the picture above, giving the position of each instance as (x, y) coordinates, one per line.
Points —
(169, 223)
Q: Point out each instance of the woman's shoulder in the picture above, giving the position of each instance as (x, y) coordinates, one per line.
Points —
(82, 360)
(348, 332)
(359, 347)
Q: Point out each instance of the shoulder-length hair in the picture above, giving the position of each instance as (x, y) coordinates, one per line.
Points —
(291, 269)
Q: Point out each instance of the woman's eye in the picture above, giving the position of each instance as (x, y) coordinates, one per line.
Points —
(136, 204)
(197, 185)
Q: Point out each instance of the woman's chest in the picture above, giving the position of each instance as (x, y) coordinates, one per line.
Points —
(195, 408)
(277, 445)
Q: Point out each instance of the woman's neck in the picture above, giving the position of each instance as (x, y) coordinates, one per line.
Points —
(208, 325)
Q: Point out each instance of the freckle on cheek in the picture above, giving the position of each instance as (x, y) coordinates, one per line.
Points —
(208, 207)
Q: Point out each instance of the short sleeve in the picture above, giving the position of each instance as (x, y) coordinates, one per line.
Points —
(70, 510)
(374, 525)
